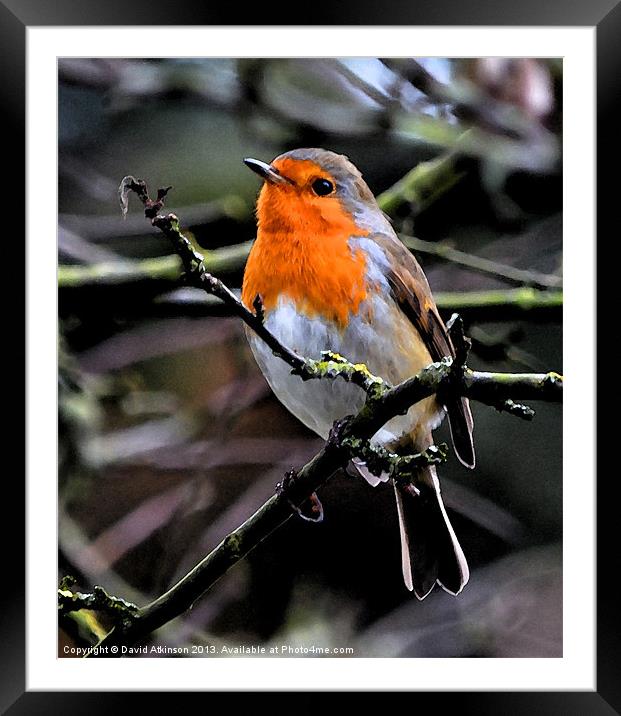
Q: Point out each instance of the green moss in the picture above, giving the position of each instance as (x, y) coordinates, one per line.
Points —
(233, 544)
(380, 460)
(97, 600)
(333, 365)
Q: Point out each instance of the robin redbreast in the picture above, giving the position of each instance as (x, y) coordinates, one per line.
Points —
(333, 276)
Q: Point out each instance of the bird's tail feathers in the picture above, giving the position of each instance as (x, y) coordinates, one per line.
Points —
(429, 547)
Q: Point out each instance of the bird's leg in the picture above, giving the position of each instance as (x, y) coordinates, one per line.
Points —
(311, 510)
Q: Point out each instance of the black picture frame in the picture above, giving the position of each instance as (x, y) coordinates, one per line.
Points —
(15, 17)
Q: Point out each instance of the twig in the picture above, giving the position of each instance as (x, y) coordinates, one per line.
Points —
(502, 305)
(161, 268)
(539, 154)
(355, 80)
(347, 436)
(491, 388)
(98, 600)
(196, 273)
(461, 343)
(422, 185)
(497, 305)
(518, 410)
(520, 277)
(468, 102)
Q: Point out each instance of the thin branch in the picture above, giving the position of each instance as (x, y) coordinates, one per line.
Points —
(357, 81)
(99, 600)
(348, 436)
(496, 305)
(490, 388)
(519, 277)
(502, 305)
(518, 410)
(422, 185)
(469, 103)
(539, 154)
(161, 268)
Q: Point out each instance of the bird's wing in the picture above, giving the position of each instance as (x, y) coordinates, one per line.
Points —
(411, 291)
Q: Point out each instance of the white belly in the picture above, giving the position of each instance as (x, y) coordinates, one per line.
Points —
(318, 403)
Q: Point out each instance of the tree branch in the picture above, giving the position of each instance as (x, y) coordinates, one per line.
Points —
(98, 600)
(497, 305)
(349, 436)
(519, 277)
(423, 184)
(160, 268)
(502, 304)
(467, 101)
(491, 388)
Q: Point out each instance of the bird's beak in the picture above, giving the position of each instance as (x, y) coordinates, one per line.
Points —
(266, 171)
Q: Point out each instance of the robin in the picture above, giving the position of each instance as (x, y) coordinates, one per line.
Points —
(332, 275)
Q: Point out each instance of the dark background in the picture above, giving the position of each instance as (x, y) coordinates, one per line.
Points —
(169, 437)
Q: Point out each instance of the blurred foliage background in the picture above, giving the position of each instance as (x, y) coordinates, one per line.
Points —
(169, 436)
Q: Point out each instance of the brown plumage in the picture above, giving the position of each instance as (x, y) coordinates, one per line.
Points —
(411, 291)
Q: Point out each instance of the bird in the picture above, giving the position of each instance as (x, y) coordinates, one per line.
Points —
(332, 275)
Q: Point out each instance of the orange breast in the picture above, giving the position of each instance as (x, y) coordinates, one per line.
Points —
(302, 252)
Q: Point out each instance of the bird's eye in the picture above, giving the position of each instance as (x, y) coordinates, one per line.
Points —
(322, 187)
